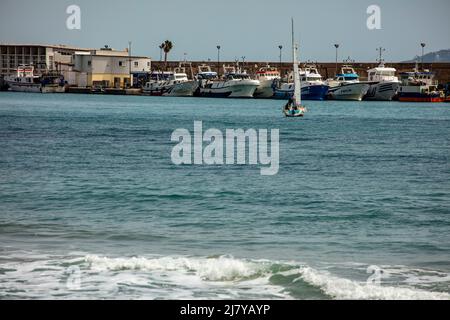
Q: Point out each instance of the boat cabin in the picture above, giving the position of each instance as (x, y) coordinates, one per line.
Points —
(236, 76)
(347, 74)
(310, 74)
(160, 75)
(417, 78)
(25, 75)
(207, 75)
(267, 73)
(381, 73)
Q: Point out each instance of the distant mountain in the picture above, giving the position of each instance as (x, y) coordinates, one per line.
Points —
(438, 56)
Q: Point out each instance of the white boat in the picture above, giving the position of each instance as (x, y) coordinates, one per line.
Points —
(267, 77)
(26, 81)
(183, 87)
(162, 83)
(159, 83)
(346, 86)
(233, 85)
(383, 83)
(294, 106)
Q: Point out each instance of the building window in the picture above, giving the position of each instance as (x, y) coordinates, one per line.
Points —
(148, 63)
(136, 64)
(89, 63)
(120, 63)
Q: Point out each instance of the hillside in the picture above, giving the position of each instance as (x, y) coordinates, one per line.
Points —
(432, 57)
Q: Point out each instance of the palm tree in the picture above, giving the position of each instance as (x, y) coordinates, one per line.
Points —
(167, 46)
(161, 47)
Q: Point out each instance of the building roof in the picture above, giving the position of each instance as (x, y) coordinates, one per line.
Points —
(111, 55)
(53, 46)
(85, 51)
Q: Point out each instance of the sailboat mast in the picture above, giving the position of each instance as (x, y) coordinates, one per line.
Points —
(293, 41)
(297, 85)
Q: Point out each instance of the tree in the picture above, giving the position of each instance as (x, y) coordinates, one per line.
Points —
(167, 46)
(161, 47)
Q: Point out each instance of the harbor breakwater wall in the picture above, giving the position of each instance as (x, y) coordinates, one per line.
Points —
(326, 69)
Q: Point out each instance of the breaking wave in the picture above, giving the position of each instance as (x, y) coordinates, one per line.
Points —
(217, 277)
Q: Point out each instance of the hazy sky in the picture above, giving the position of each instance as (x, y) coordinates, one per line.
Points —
(250, 28)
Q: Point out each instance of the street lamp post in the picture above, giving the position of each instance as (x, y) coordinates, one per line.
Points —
(337, 47)
(129, 62)
(243, 62)
(281, 49)
(218, 60)
(423, 47)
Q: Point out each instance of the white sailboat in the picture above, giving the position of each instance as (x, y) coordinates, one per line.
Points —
(294, 106)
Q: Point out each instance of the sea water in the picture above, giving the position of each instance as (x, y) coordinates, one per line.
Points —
(91, 205)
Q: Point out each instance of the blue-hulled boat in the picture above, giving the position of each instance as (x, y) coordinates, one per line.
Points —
(312, 86)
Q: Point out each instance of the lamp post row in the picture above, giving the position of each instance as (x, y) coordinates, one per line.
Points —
(280, 47)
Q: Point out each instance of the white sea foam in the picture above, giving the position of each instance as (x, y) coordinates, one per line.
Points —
(222, 277)
(341, 288)
(211, 269)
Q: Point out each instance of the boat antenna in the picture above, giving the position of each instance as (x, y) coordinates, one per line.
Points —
(380, 51)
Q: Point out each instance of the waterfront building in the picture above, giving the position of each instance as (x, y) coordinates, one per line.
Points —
(107, 68)
(82, 67)
(44, 58)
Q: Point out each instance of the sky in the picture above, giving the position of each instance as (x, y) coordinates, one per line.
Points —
(243, 28)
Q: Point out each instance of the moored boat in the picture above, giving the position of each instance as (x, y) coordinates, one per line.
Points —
(346, 86)
(419, 86)
(232, 85)
(312, 85)
(183, 87)
(162, 83)
(267, 76)
(383, 83)
(26, 81)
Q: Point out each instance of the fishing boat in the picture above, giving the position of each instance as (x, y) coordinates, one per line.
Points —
(162, 83)
(346, 86)
(293, 107)
(26, 81)
(158, 84)
(234, 84)
(419, 86)
(267, 77)
(183, 87)
(383, 83)
(312, 85)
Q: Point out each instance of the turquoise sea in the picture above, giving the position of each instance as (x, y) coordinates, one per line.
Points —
(91, 205)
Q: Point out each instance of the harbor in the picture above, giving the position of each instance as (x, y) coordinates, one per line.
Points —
(62, 68)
